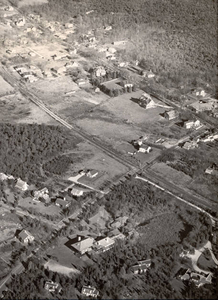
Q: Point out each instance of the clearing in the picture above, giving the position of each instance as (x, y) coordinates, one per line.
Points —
(54, 94)
(56, 267)
(93, 158)
(17, 109)
(5, 87)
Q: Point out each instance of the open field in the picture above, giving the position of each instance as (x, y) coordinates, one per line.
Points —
(5, 88)
(53, 94)
(22, 3)
(206, 262)
(125, 108)
(8, 225)
(39, 207)
(92, 158)
(17, 109)
(171, 174)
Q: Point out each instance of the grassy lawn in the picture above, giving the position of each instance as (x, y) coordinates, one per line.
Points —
(206, 262)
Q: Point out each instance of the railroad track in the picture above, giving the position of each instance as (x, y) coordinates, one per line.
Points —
(82, 134)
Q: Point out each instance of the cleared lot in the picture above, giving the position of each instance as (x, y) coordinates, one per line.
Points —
(126, 107)
(5, 88)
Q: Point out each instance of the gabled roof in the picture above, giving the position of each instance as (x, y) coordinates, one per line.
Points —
(105, 242)
(84, 244)
(89, 290)
(24, 234)
(22, 185)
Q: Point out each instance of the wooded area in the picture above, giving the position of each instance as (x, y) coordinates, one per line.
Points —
(24, 147)
(176, 39)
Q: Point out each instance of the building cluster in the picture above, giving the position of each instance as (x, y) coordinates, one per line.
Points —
(198, 278)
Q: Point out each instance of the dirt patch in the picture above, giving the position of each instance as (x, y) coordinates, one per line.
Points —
(31, 2)
(56, 267)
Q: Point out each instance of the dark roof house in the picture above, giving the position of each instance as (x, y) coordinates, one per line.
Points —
(81, 244)
(141, 267)
(25, 237)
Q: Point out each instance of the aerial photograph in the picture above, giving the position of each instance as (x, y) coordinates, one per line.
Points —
(108, 149)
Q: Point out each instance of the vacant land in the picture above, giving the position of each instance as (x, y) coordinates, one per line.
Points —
(56, 267)
(171, 174)
(17, 109)
(22, 3)
(54, 94)
(92, 158)
(126, 107)
(5, 88)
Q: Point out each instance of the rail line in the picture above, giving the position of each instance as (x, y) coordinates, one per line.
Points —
(115, 156)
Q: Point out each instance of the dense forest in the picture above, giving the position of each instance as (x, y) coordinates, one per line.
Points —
(24, 147)
(176, 39)
(132, 198)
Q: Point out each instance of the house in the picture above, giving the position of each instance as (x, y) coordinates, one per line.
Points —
(199, 92)
(82, 244)
(146, 101)
(170, 115)
(69, 25)
(77, 192)
(20, 22)
(52, 286)
(21, 185)
(3, 177)
(115, 234)
(213, 170)
(141, 267)
(191, 124)
(145, 150)
(111, 50)
(190, 145)
(43, 193)
(82, 81)
(101, 214)
(205, 104)
(25, 237)
(104, 244)
(71, 65)
(100, 71)
(210, 138)
(90, 291)
(62, 203)
(92, 173)
(107, 28)
(119, 43)
(119, 222)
